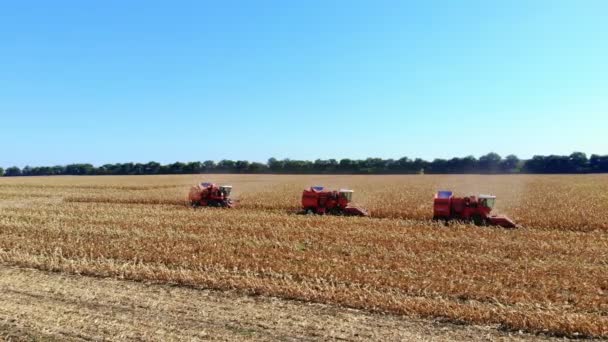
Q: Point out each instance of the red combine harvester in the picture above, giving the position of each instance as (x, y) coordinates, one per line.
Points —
(317, 200)
(473, 209)
(210, 195)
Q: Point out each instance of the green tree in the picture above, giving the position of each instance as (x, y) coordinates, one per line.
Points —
(241, 166)
(578, 162)
(256, 167)
(275, 165)
(490, 163)
(193, 167)
(598, 163)
(347, 165)
(1, 172)
(26, 171)
(438, 165)
(510, 163)
(79, 169)
(139, 169)
(226, 165)
(209, 166)
(58, 170)
(12, 171)
(152, 168)
(176, 168)
(126, 169)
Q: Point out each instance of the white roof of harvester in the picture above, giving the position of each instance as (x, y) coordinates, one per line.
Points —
(487, 196)
(346, 190)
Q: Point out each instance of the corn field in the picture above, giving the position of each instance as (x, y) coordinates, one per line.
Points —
(551, 276)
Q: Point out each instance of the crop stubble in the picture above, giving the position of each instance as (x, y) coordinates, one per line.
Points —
(551, 276)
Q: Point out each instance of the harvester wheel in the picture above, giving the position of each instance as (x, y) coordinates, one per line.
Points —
(479, 220)
(335, 212)
(309, 211)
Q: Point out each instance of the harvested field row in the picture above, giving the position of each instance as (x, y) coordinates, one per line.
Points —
(88, 308)
(126, 200)
(47, 187)
(538, 202)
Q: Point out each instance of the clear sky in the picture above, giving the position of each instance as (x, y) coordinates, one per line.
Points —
(118, 81)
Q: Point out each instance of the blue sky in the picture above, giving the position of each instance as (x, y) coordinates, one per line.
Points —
(118, 81)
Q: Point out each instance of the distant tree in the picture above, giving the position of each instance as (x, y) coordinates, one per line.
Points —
(598, 163)
(241, 166)
(578, 162)
(79, 169)
(152, 168)
(12, 171)
(209, 166)
(321, 166)
(509, 164)
(275, 165)
(346, 165)
(297, 166)
(438, 165)
(225, 165)
(164, 170)
(490, 163)
(176, 168)
(138, 169)
(26, 171)
(557, 164)
(106, 169)
(419, 165)
(57, 170)
(126, 169)
(467, 164)
(1, 172)
(193, 167)
(400, 165)
(40, 171)
(396, 166)
(535, 165)
(256, 167)
(371, 165)
(333, 165)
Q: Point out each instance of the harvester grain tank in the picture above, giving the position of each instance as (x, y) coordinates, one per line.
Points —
(210, 195)
(474, 209)
(318, 200)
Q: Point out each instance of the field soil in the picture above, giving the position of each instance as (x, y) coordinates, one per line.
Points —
(39, 305)
(549, 277)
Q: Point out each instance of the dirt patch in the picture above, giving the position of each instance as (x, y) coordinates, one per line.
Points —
(39, 305)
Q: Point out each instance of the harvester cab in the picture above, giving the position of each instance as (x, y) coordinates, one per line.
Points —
(226, 190)
(318, 200)
(474, 209)
(487, 201)
(210, 195)
(346, 194)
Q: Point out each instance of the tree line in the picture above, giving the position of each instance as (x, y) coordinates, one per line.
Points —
(490, 163)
